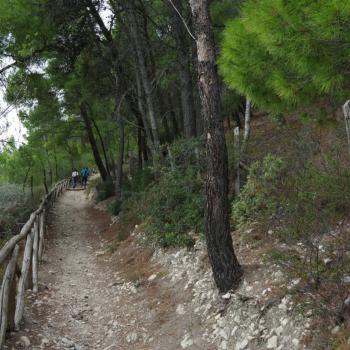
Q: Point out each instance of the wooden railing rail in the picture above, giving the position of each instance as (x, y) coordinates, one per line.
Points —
(15, 279)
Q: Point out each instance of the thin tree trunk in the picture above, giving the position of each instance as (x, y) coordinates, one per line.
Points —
(247, 127)
(56, 165)
(183, 59)
(143, 113)
(119, 168)
(31, 187)
(26, 178)
(93, 144)
(237, 161)
(226, 268)
(45, 181)
(174, 123)
(139, 149)
(346, 111)
(102, 146)
(140, 53)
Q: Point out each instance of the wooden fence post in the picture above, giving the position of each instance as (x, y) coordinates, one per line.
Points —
(5, 293)
(35, 255)
(12, 303)
(23, 279)
(41, 234)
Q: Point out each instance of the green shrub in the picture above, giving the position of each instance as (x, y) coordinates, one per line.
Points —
(174, 207)
(168, 198)
(105, 189)
(182, 154)
(259, 197)
(115, 207)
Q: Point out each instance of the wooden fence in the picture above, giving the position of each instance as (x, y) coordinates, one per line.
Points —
(17, 279)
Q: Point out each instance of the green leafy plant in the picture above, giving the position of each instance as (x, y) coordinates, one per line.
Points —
(258, 198)
(105, 189)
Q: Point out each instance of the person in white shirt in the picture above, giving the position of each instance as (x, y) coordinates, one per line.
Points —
(75, 175)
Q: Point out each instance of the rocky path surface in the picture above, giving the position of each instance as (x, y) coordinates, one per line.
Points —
(137, 298)
(89, 299)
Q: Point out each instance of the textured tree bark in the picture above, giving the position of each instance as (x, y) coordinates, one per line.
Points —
(184, 58)
(93, 143)
(226, 268)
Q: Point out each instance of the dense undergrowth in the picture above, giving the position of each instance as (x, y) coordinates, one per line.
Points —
(300, 202)
(166, 197)
(15, 208)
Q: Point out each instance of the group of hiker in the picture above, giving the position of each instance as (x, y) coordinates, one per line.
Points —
(84, 174)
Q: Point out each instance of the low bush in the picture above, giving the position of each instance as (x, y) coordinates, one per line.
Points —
(174, 207)
(168, 198)
(306, 204)
(105, 189)
(259, 197)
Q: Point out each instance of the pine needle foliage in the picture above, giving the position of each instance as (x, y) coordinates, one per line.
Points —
(284, 54)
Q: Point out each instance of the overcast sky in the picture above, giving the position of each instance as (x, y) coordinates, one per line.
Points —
(8, 114)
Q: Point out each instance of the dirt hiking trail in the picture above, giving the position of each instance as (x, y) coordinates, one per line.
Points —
(92, 299)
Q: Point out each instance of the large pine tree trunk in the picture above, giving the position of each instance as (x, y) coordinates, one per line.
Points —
(226, 268)
(91, 137)
(183, 58)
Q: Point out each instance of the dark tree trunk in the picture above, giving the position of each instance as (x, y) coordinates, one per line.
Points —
(91, 137)
(102, 146)
(120, 161)
(184, 59)
(226, 268)
(26, 177)
(31, 187)
(139, 148)
(45, 181)
(174, 123)
(143, 113)
(56, 165)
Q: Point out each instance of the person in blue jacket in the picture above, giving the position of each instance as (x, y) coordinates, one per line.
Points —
(84, 176)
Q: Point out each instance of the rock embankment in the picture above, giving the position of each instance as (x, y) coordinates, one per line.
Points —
(259, 315)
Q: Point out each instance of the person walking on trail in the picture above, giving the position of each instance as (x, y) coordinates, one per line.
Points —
(84, 176)
(75, 176)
